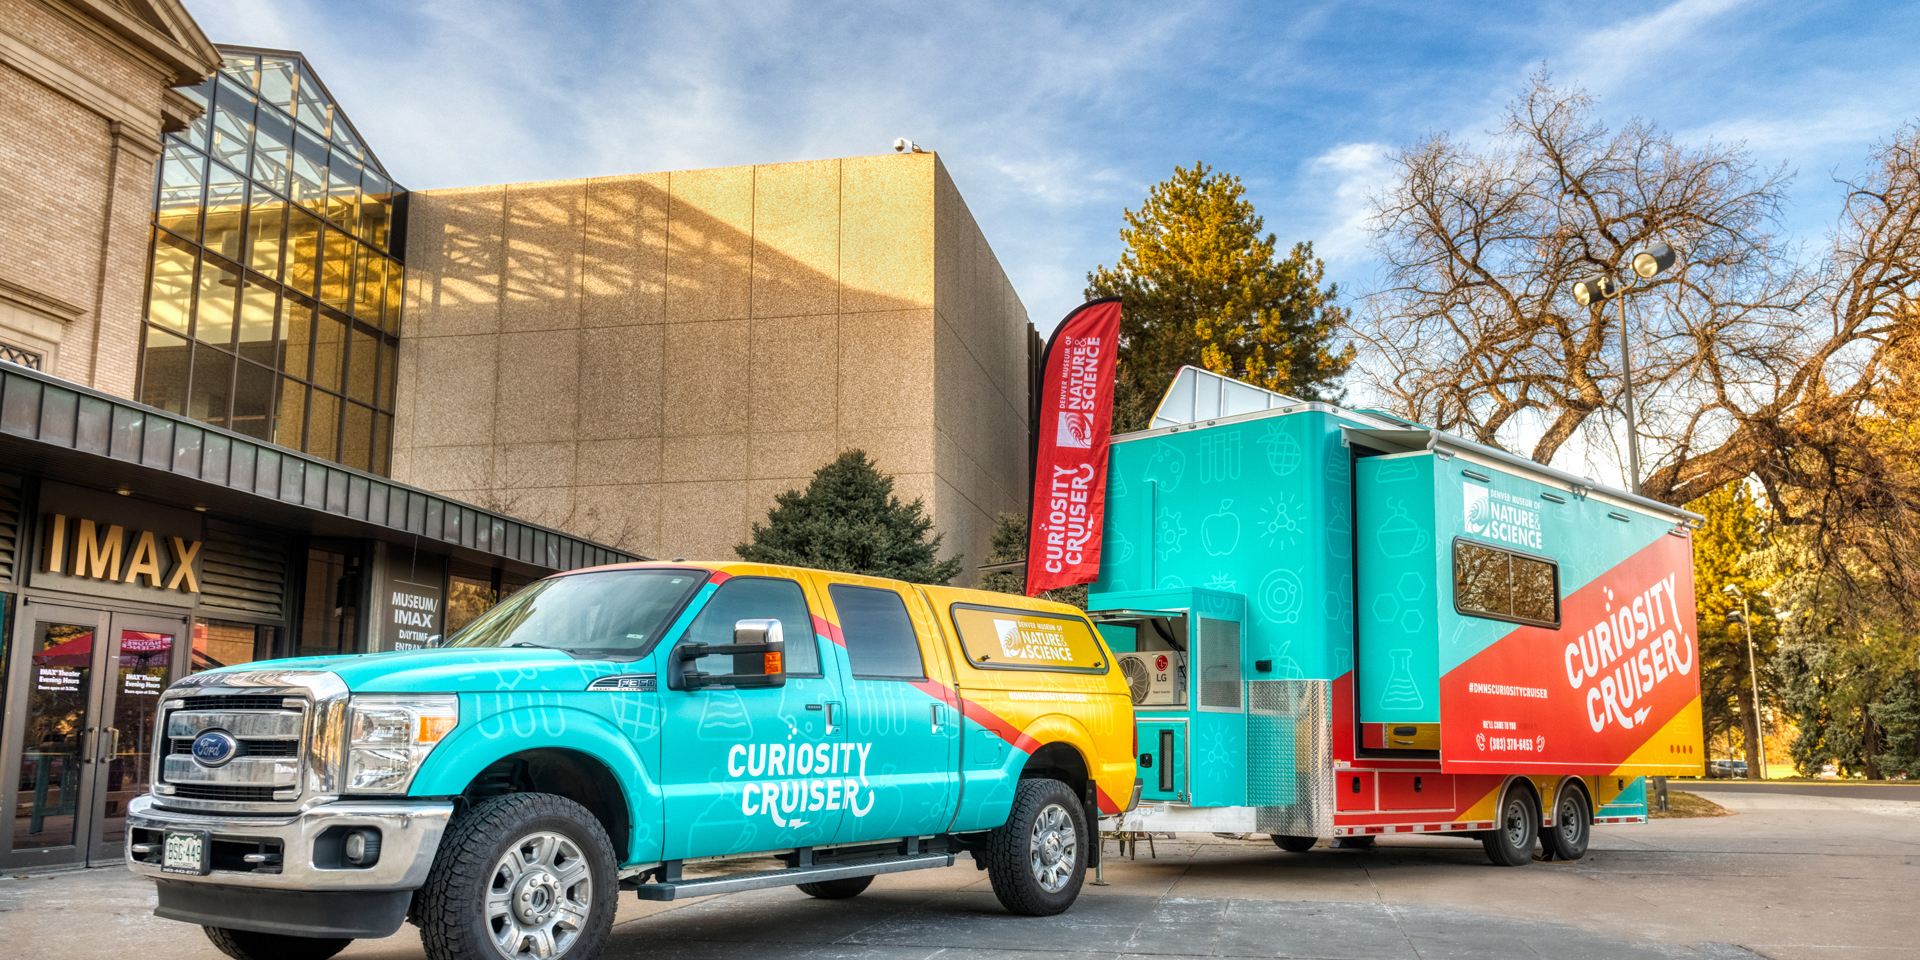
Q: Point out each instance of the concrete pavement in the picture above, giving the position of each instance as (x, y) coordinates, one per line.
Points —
(1794, 875)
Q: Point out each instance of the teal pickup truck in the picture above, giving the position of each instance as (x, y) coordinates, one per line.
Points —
(640, 727)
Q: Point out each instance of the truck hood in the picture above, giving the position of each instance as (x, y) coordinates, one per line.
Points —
(459, 670)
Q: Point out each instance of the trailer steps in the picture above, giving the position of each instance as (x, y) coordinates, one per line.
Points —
(760, 880)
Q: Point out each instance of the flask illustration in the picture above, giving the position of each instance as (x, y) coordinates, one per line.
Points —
(1401, 691)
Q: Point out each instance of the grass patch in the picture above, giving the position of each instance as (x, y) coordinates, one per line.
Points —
(1684, 804)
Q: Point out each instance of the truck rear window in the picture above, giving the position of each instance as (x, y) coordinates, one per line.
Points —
(609, 612)
(1000, 638)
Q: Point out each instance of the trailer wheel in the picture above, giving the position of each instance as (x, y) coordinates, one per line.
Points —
(249, 945)
(524, 875)
(1510, 843)
(1295, 844)
(1038, 859)
(836, 889)
(1572, 826)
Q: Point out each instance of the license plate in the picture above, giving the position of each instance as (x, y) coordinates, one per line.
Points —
(185, 853)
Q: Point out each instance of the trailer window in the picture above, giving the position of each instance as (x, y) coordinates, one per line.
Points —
(1501, 585)
(998, 638)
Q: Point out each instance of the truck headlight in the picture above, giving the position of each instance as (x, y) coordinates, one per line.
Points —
(388, 737)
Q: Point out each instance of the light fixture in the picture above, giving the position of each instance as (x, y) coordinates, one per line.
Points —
(199, 509)
(1653, 261)
(1595, 289)
(124, 491)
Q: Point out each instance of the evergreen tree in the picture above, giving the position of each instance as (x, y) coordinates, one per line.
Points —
(1201, 286)
(1725, 550)
(849, 520)
(1008, 543)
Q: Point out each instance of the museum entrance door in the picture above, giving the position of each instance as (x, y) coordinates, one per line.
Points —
(83, 692)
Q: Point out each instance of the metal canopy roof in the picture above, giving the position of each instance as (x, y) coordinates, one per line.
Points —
(1198, 394)
(49, 425)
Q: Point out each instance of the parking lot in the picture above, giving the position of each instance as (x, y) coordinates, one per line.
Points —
(1810, 871)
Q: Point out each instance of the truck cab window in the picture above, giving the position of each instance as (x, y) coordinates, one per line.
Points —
(758, 598)
(881, 644)
(1489, 582)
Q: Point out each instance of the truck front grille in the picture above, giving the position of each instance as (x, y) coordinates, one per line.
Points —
(266, 765)
(215, 791)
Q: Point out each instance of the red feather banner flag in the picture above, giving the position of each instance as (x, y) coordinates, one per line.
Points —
(1070, 460)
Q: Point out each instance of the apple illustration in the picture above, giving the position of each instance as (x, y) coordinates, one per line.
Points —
(1220, 532)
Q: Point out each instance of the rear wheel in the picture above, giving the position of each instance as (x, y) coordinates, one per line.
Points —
(1295, 844)
(1351, 843)
(836, 889)
(1037, 861)
(248, 945)
(1572, 826)
(1510, 842)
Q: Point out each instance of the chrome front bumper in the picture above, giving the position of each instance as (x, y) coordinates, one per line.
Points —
(410, 836)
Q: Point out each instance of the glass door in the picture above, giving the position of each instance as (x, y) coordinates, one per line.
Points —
(79, 719)
(147, 652)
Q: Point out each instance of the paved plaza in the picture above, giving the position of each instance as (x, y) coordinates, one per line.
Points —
(1801, 872)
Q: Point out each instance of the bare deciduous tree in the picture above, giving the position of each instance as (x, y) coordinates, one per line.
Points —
(1747, 360)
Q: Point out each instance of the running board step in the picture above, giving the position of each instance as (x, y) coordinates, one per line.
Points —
(736, 882)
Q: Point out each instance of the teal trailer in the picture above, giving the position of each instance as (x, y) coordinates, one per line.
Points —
(1340, 624)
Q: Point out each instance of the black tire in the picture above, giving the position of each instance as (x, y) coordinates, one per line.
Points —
(249, 945)
(451, 908)
(1572, 826)
(1295, 844)
(1363, 842)
(1031, 843)
(836, 889)
(1516, 828)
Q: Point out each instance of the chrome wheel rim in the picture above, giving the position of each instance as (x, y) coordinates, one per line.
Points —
(539, 897)
(1516, 823)
(1570, 820)
(1052, 848)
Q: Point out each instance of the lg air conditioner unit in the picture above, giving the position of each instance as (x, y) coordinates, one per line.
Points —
(1156, 678)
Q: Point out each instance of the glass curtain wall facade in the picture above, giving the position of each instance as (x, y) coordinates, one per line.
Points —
(273, 297)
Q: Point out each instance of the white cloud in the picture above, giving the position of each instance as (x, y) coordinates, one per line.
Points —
(1348, 176)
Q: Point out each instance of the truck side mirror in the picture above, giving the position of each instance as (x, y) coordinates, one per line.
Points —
(759, 659)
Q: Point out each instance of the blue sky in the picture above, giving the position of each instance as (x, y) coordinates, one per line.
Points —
(1053, 117)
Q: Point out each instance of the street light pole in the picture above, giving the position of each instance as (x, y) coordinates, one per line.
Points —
(1647, 264)
(1633, 426)
(1753, 676)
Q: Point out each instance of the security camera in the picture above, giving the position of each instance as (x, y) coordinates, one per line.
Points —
(903, 145)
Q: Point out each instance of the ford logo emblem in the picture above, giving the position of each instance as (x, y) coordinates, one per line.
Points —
(214, 748)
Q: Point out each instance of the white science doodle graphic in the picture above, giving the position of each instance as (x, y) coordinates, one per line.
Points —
(1281, 596)
(1220, 531)
(1283, 451)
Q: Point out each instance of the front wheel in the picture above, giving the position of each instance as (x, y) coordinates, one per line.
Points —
(1037, 861)
(1572, 826)
(1295, 844)
(249, 945)
(527, 875)
(1510, 842)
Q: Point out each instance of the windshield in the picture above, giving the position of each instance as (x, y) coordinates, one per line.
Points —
(616, 611)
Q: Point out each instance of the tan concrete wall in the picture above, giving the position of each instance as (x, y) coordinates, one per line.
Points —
(80, 119)
(647, 360)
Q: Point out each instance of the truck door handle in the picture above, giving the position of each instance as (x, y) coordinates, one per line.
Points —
(936, 718)
(833, 721)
